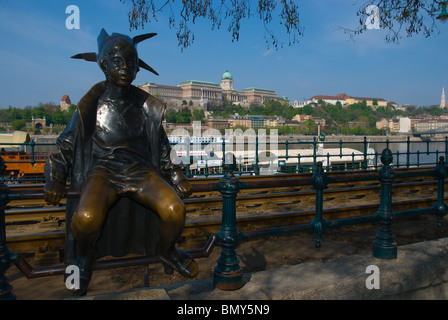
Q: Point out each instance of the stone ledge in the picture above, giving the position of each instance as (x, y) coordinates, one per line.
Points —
(419, 272)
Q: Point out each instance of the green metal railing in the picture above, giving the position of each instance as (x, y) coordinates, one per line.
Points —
(406, 154)
(384, 246)
(228, 273)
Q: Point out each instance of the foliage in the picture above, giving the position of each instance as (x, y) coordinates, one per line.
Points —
(51, 112)
(396, 16)
(178, 117)
(18, 124)
(183, 13)
(357, 119)
(198, 115)
(411, 16)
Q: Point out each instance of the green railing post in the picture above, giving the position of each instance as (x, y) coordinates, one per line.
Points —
(188, 145)
(440, 208)
(340, 148)
(364, 163)
(446, 147)
(257, 168)
(5, 255)
(228, 273)
(320, 183)
(408, 152)
(384, 245)
(32, 144)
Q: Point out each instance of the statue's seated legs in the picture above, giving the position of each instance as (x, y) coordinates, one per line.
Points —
(102, 190)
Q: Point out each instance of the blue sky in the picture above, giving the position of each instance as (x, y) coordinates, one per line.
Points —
(36, 48)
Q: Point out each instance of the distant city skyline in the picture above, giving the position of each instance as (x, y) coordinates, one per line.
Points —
(37, 46)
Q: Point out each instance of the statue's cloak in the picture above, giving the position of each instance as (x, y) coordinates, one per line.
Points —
(129, 227)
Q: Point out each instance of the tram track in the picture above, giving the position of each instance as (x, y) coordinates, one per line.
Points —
(40, 228)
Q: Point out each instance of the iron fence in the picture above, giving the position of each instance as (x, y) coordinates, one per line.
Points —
(228, 273)
(297, 156)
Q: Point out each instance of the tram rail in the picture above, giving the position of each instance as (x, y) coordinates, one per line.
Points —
(257, 209)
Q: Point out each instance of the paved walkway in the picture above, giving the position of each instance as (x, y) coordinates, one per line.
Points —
(419, 272)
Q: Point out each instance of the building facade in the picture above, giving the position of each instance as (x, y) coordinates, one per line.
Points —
(346, 100)
(65, 102)
(200, 93)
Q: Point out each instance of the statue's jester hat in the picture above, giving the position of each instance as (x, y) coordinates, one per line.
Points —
(107, 42)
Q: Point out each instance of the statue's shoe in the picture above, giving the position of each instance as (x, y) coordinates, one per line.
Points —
(180, 261)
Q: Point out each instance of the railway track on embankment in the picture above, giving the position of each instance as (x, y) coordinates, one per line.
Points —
(33, 226)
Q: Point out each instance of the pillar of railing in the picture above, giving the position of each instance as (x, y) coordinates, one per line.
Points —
(5, 255)
(384, 245)
(257, 167)
(364, 162)
(319, 224)
(32, 144)
(440, 208)
(228, 273)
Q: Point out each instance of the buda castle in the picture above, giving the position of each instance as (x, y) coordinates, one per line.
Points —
(200, 94)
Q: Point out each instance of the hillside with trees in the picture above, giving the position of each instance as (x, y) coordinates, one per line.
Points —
(18, 118)
(358, 119)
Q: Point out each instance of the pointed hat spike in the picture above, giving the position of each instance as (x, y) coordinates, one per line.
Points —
(143, 65)
(103, 34)
(88, 56)
(140, 38)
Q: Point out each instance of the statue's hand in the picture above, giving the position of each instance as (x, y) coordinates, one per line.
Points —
(53, 192)
(183, 189)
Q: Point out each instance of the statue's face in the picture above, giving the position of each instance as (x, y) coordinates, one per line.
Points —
(121, 66)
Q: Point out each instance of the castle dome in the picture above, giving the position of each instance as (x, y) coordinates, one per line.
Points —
(226, 75)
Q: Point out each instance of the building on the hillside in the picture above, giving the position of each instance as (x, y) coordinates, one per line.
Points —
(258, 95)
(297, 104)
(273, 121)
(341, 97)
(346, 100)
(292, 123)
(380, 102)
(238, 121)
(431, 124)
(255, 121)
(382, 124)
(302, 117)
(202, 93)
(394, 125)
(168, 93)
(216, 123)
(65, 102)
(404, 125)
(228, 92)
